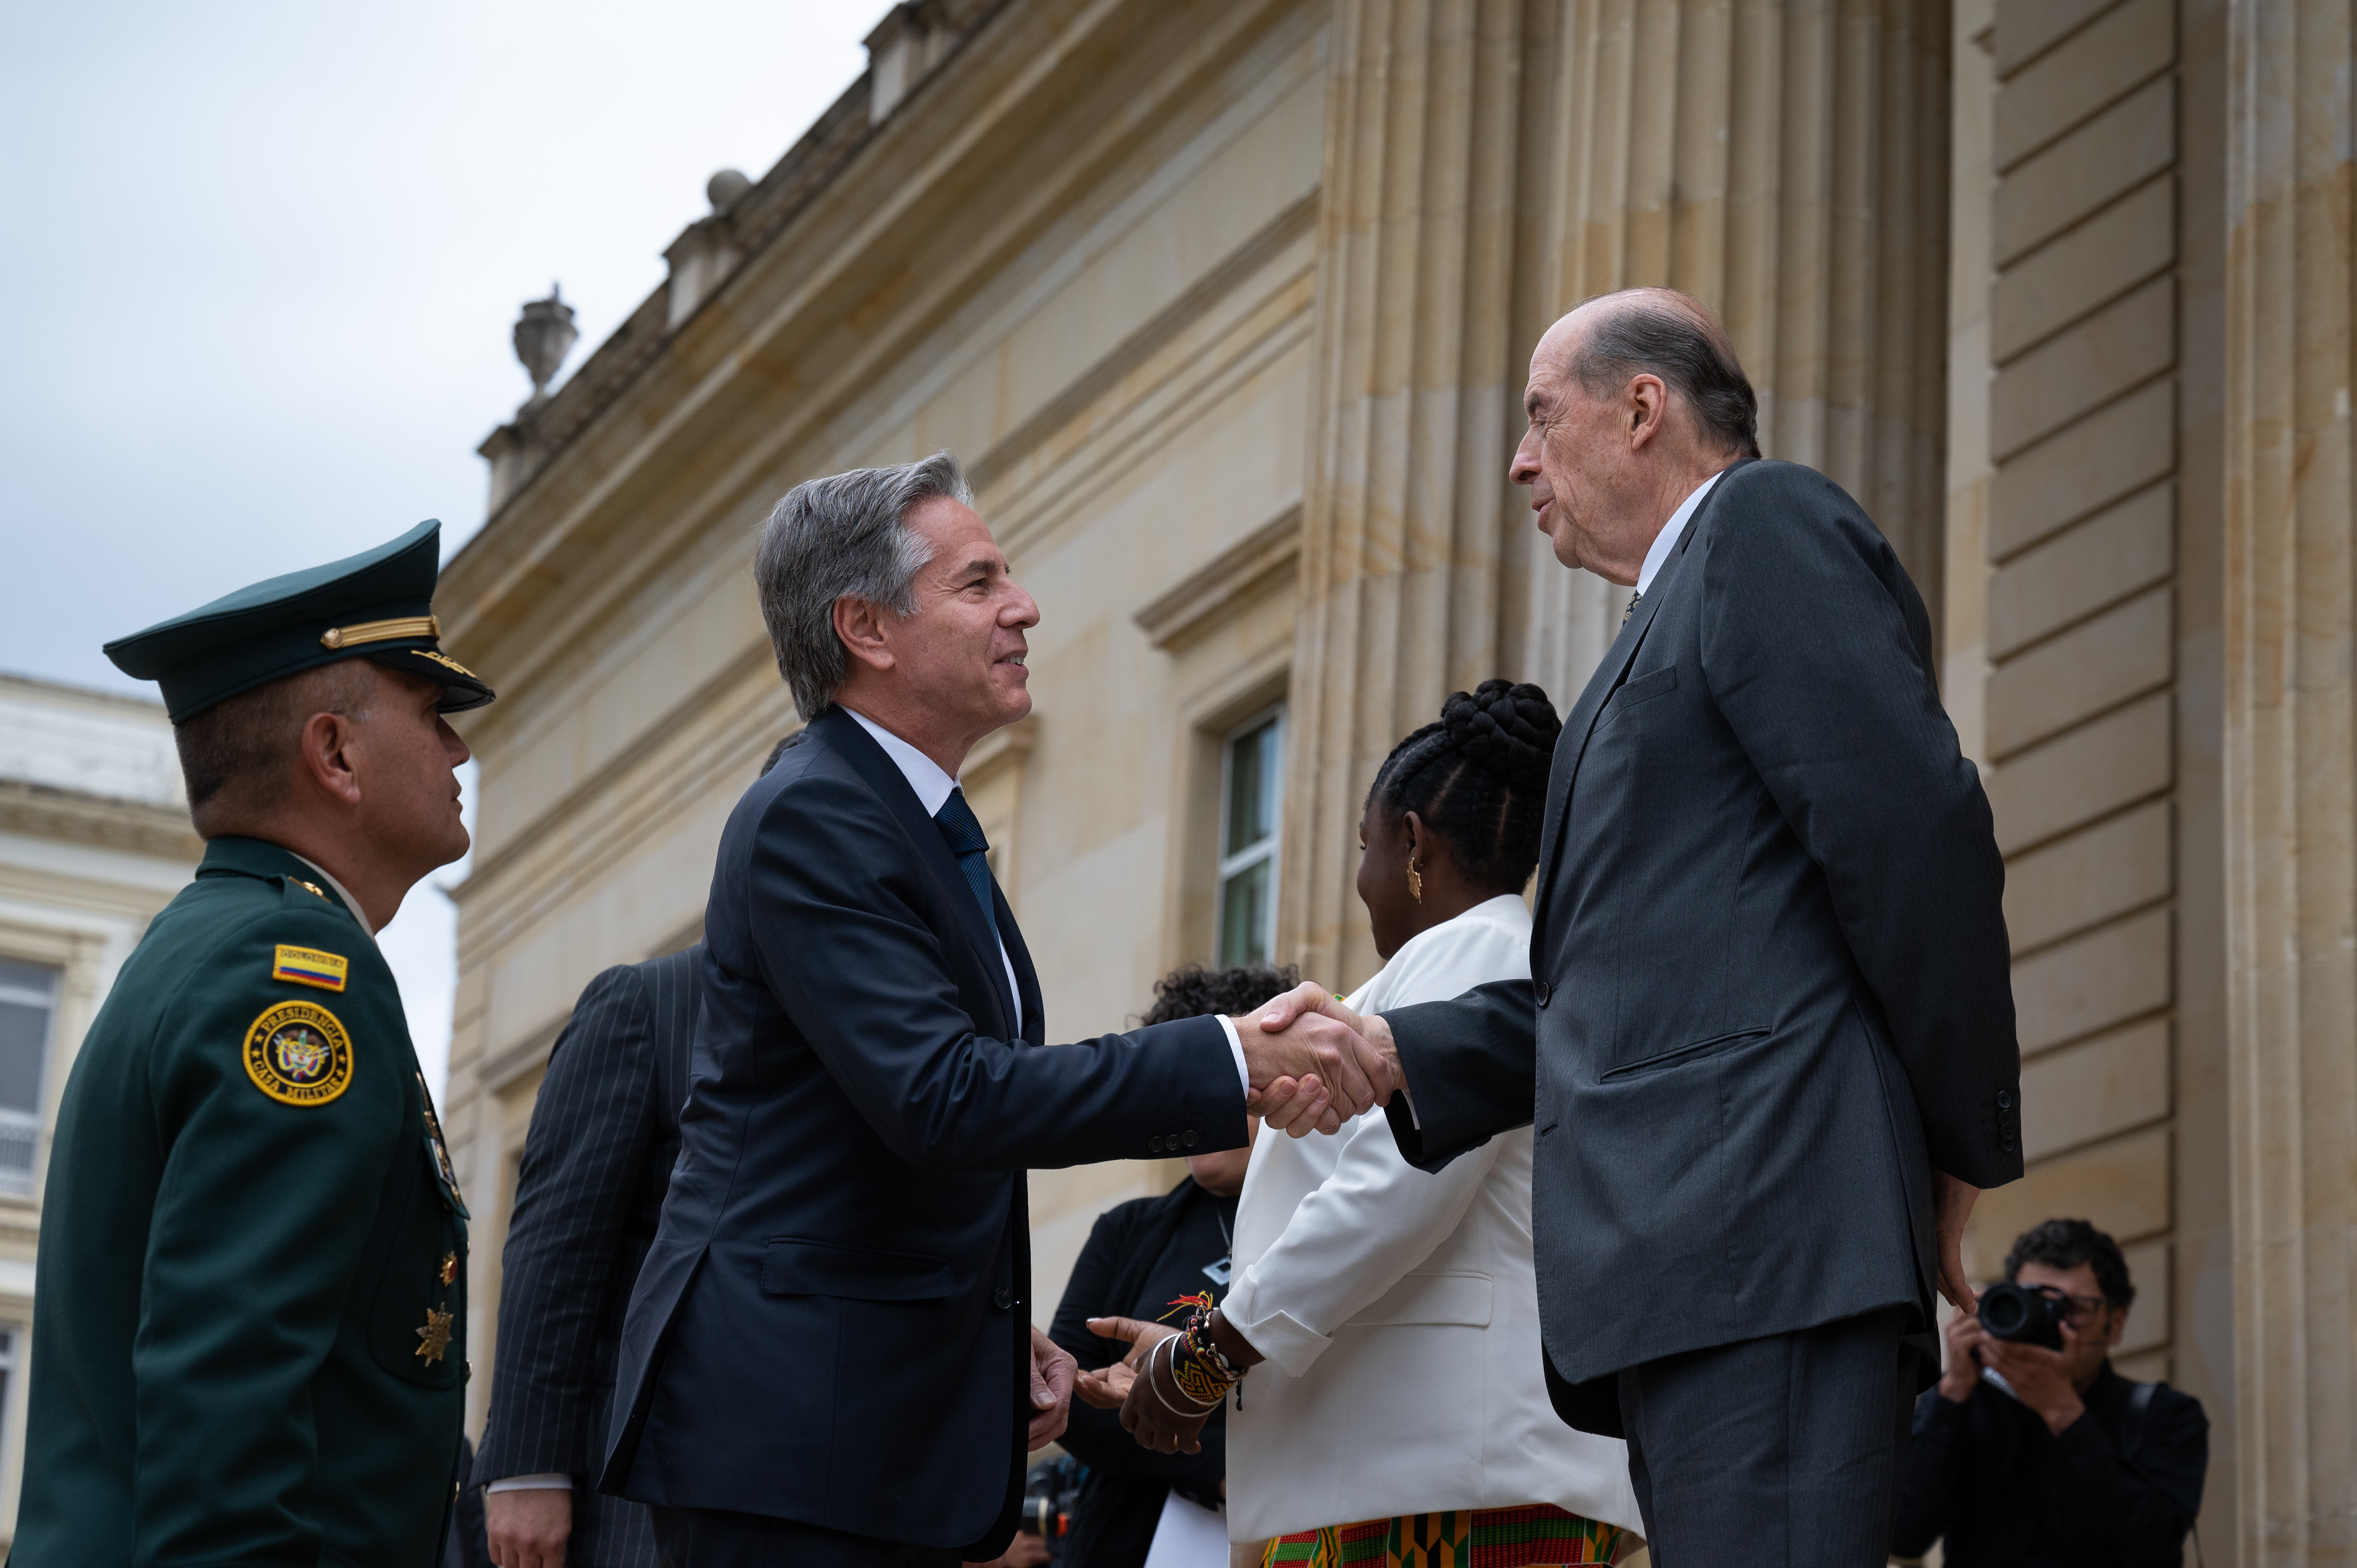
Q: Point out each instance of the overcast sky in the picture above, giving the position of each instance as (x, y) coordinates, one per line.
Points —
(264, 258)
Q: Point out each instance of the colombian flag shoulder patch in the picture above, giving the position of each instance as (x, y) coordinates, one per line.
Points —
(309, 966)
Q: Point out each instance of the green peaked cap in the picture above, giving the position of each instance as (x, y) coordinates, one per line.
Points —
(378, 605)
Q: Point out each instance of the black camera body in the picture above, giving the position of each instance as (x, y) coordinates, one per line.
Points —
(2023, 1314)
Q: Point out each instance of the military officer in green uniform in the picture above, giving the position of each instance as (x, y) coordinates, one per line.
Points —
(249, 1320)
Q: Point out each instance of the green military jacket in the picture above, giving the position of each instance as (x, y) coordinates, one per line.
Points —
(249, 1321)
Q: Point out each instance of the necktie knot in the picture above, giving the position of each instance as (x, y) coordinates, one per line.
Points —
(959, 827)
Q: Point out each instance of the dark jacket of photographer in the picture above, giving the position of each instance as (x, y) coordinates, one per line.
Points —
(2112, 1489)
(1141, 1255)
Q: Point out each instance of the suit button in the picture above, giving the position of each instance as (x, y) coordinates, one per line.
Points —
(2006, 1142)
(1002, 1298)
(1545, 991)
(2005, 1099)
(1188, 1137)
(1153, 1144)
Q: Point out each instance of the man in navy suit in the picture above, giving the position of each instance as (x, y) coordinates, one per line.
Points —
(827, 1357)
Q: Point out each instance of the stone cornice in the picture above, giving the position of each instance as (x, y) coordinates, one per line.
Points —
(1242, 571)
(40, 811)
(864, 268)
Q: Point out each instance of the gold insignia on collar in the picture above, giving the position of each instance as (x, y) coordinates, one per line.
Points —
(311, 887)
(298, 1053)
(434, 1339)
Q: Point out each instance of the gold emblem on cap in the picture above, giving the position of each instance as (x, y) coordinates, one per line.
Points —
(381, 631)
(446, 659)
(435, 1337)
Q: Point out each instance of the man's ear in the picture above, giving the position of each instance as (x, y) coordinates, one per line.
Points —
(1648, 407)
(860, 624)
(328, 758)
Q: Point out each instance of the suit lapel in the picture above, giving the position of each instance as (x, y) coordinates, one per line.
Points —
(1027, 978)
(952, 892)
(1571, 746)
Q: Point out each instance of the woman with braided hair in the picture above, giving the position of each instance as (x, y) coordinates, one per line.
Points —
(1403, 1419)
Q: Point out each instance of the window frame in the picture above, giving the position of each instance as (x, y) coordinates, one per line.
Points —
(28, 1122)
(1228, 865)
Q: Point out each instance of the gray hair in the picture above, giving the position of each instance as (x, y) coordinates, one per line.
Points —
(843, 536)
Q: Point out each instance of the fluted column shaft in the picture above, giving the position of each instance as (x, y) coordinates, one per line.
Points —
(1401, 533)
(2290, 757)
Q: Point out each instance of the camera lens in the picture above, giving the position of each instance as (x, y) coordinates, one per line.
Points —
(2004, 1311)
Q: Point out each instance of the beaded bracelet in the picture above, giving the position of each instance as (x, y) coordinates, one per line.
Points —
(1196, 1414)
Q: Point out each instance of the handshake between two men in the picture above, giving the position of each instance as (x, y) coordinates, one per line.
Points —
(1314, 1064)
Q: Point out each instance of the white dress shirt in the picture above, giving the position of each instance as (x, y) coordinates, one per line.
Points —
(1399, 1310)
(1667, 539)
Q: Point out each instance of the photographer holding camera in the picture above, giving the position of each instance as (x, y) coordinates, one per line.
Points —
(2032, 1450)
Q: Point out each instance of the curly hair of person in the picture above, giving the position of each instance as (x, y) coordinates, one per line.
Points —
(1478, 779)
(2066, 1244)
(1192, 991)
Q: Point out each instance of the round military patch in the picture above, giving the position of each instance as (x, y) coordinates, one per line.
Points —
(298, 1053)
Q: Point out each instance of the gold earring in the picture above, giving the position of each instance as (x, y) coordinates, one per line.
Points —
(1414, 882)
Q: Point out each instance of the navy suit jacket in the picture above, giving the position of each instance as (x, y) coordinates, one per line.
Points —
(1771, 987)
(831, 1326)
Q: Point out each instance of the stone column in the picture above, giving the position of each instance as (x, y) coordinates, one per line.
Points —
(1488, 164)
(2290, 559)
(1787, 164)
(1402, 519)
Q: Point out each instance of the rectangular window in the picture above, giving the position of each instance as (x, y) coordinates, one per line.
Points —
(1252, 784)
(28, 1000)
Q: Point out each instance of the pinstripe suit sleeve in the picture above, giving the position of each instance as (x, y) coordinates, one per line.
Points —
(592, 1129)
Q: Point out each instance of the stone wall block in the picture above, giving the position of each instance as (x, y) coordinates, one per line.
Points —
(2098, 664)
(2027, 28)
(2094, 875)
(2102, 560)
(2120, 346)
(2127, 46)
(2090, 464)
(2086, 773)
(2111, 155)
(2121, 1187)
(2083, 268)
(2098, 1089)
(2093, 982)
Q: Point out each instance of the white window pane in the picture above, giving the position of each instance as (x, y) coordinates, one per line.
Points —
(24, 1039)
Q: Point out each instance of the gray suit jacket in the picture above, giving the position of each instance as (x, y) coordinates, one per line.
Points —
(596, 1163)
(1770, 988)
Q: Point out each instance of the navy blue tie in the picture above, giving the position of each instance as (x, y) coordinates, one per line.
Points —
(963, 834)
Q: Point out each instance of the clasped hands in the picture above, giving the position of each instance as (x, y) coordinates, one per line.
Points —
(1314, 1064)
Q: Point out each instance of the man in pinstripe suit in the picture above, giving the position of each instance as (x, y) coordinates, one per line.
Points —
(595, 1164)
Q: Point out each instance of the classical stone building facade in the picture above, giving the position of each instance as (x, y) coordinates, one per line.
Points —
(1227, 303)
(94, 839)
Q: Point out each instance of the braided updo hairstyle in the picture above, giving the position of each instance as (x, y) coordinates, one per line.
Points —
(1478, 779)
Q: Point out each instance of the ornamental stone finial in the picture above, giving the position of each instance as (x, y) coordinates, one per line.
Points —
(544, 334)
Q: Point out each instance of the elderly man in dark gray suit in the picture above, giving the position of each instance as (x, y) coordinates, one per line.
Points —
(1769, 1043)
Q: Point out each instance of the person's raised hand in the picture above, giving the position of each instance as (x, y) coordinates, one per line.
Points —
(528, 1528)
(1964, 1335)
(1052, 1370)
(1105, 1387)
(1154, 1411)
(1951, 1204)
(2040, 1377)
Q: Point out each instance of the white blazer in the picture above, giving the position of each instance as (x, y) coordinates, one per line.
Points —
(1399, 1311)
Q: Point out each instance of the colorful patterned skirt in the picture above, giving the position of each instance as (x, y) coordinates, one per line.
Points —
(1538, 1535)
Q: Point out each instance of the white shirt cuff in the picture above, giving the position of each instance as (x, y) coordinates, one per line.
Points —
(554, 1481)
(1237, 1045)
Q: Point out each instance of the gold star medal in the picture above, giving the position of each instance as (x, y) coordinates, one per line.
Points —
(448, 1272)
(435, 1337)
